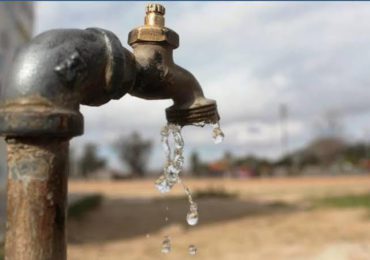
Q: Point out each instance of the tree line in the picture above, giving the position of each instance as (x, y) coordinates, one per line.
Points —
(133, 152)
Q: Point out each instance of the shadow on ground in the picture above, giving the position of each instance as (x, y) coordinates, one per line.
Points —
(118, 219)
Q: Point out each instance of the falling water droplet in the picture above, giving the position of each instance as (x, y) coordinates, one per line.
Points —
(192, 218)
(166, 245)
(175, 162)
(147, 236)
(217, 134)
(192, 250)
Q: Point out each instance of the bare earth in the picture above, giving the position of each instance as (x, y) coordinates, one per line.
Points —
(270, 219)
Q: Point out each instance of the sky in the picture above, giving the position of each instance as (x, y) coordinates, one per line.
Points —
(249, 56)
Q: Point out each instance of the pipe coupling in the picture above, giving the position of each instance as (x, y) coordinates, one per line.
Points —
(203, 111)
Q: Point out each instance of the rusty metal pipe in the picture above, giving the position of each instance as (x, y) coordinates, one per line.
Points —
(37, 197)
(39, 112)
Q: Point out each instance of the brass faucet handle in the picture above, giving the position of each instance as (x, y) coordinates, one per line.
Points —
(155, 15)
(155, 8)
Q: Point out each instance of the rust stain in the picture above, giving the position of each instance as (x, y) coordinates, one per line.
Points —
(37, 187)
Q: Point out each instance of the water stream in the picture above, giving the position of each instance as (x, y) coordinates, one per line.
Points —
(172, 169)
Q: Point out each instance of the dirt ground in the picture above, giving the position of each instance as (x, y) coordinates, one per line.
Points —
(269, 219)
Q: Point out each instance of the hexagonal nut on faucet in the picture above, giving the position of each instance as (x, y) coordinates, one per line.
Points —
(154, 34)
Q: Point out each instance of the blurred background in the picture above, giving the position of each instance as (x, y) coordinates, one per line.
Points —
(291, 179)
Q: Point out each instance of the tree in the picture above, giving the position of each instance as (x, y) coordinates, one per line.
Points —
(134, 152)
(356, 152)
(90, 161)
(329, 124)
(195, 163)
(327, 149)
(73, 171)
(329, 145)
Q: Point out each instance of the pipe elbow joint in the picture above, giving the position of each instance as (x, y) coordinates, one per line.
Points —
(55, 73)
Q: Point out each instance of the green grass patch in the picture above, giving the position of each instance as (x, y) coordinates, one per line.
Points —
(345, 201)
(279, 205)
(84, 205)
(214, 192)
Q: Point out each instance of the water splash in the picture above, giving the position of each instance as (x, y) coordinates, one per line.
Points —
(174, 160)
(217, 134)
(173, 167)
(166, 245)
(192, 250)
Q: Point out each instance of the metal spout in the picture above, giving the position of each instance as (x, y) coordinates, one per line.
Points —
(158, 77)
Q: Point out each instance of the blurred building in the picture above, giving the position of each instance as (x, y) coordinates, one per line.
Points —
(16, 26)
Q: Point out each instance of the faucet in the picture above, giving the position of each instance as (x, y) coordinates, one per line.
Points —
(160, 78)
(39, 113)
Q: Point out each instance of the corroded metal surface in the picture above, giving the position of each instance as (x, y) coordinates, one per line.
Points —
(56, 72)
(36, 121)
(37, 189)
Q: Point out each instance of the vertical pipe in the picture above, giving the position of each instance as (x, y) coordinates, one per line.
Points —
(37, 195)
